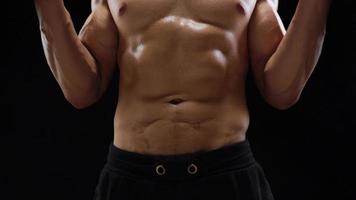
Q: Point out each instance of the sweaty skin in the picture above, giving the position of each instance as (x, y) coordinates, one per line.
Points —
(182, 64)
(183, 72)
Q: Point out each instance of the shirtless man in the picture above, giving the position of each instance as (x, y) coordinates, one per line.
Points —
(181, 118)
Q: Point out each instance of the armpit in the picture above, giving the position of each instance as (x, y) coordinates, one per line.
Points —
(95, 3)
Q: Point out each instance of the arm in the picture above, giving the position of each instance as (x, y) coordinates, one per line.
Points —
(282, 61)
(82, 64)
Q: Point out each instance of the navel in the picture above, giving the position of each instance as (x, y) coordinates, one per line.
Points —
(122, 9)
(176, 101)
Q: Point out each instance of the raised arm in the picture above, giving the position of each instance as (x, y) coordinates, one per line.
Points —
(82, 64)
(282, 61)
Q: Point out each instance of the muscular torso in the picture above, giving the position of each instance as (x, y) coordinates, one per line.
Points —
(182, 71)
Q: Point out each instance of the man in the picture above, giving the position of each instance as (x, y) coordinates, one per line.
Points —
(179, 129)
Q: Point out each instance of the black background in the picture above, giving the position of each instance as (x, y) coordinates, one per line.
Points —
(52, 151)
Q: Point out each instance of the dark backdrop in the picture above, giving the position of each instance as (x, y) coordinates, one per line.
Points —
(52, 151)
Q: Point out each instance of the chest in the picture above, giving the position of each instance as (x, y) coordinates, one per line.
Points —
(136, 15)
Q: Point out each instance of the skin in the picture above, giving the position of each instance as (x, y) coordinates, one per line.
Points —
(182, 66)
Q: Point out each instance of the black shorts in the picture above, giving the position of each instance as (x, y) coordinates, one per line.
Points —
(227, 173)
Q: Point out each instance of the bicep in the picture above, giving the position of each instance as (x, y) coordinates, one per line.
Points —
(100, 36)
(265, 32)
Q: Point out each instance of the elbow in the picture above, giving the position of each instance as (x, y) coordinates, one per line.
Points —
(83, 100)
(283, 101)
(283, 105)
(80, 103)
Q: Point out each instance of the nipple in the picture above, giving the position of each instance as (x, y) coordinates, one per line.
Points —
(122, 9)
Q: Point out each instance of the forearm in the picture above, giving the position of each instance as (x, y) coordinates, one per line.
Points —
(289, 68)
(71, 63)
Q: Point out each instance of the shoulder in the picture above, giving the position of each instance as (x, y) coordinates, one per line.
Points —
(95, 3)
(272, 3)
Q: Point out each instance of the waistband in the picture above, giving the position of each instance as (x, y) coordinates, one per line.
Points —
(233, 157)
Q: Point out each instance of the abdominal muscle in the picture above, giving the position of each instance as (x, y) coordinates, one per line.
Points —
(181, 89)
